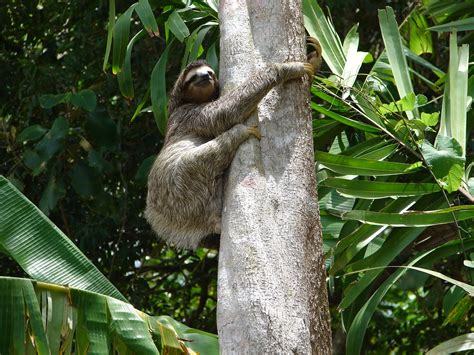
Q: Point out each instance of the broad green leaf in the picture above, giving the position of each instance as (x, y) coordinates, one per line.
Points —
(53, 141)
(454, 345)
(453, 114)
(196, 47)
(466, 24)
(177, 26)
(85, 181)
(395, 53)
(33, 161)
(85, 99)
(458, 314)
(446, 161)
(412, 218)
(158, 91)
(451, 298)
(407, 103)
(420, 37)
(199, 341)
(47, 319)
(41, 249)
(48, 101)
(55, 190)
(121, 34)
(358, 327)
(31, 133)
(125, 76)
(110, 32)
(351, 244)
(430, 119)
(344, 120)
(145, 13)
(351, 41)
(319, 27)
(376, 189)
(101, 129)
(374, 148)
(363, 167)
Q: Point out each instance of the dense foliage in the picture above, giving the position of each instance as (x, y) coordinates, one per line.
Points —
(68, 143)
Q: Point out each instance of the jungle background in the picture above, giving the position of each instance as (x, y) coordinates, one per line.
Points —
(67, 141)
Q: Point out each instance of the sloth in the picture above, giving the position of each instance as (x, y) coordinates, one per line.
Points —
(205, 129)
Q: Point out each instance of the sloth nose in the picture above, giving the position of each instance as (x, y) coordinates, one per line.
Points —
(204, 76)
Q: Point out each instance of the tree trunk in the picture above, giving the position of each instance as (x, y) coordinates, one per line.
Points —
(272, 296)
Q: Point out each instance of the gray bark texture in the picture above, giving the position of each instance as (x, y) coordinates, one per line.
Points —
(272, 296)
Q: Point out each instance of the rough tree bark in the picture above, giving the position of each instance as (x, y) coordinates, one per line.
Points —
(272, 294)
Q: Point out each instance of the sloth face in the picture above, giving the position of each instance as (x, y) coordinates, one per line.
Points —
(200, 85)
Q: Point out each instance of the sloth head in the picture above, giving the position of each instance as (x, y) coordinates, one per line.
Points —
(196, 84)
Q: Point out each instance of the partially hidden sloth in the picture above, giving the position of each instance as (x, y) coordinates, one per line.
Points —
(205, 129)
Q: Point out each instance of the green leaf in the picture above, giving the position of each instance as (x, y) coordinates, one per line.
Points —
(446, 161)
(41, 249)
(458, 314)
(319, 27)
(376, 189)
(344, 120)
(85, 181)
(454, 345)
(350, 245)
(430, 119)
(196, 48)
(55, 191)
(47, 319)
(101, 130)
(396, 56)
(85, 99)
(53, 141)
(145, 13)
(412, 218)
(177, 26)
(142, 103)
(158, 91)
(48, 101)
(407, 103)
(420, 37)
(121, 34)
(466, 24)
(33, 161)
(31, 133)
(110, 31)
(454, 110)
(356, 332)
(363, 167)
(125, 76)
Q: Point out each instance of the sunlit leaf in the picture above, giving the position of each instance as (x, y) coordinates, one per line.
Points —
(395, 53)
(376, 189)
(177, 26)
(145, 13)
(41, 249)
(120, 36)
(364, 167)
(466, 24)
(412, 218)
(446, 161)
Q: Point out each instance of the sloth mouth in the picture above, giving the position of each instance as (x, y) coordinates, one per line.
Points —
(202, 82)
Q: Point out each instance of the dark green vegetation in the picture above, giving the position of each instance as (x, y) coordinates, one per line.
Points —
(68, 144)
